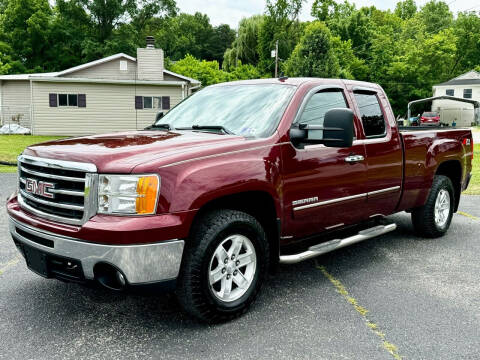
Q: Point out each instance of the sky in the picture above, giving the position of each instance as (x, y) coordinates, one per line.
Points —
(232, 11)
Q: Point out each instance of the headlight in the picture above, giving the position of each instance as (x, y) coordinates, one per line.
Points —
(128, 194)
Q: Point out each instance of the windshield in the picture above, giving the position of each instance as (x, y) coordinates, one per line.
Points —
(246, 110)
(429, 114)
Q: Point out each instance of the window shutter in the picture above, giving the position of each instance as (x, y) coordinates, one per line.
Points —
(138, 102)
(52, 99)
(165, 102)
(82, 100)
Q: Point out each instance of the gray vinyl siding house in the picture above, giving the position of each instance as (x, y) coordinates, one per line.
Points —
(117, 93)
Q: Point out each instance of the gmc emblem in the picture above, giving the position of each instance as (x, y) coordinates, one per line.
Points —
(37, 187)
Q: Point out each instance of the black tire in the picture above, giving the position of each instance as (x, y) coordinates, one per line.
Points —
(193, 287)
(423, 218)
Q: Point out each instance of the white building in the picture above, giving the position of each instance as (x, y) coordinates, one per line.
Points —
(116, 93)
(465, 86)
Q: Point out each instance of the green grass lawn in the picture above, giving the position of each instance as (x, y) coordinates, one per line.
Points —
(474, 187)
(12, 145)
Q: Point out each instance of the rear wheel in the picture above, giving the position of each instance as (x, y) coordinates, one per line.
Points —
(434, 218)
(225, 263)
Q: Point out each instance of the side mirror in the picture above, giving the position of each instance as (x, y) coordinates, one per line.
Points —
(336, 131)
(159, 116)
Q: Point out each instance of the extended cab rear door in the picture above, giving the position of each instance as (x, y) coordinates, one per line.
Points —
(322, 190)
(384, 155)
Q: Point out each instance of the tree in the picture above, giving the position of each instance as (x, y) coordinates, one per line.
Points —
(186, 34)
(244, 47)
(280, 23)
(406, 9)
(26, 27)
(436, 16)
(220, 40)
(467, 33)
(323, 9)
(208, 72)
(314, 54)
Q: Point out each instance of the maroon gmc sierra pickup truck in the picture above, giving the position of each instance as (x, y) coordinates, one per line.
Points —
(236, 178)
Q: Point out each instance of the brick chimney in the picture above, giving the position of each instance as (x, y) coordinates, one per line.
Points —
(150, 62)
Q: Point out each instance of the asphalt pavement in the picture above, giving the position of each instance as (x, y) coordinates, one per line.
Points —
(392, 297)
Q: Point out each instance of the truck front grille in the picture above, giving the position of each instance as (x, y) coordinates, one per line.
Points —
(57, 190)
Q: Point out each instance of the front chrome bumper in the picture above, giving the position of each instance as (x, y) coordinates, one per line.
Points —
(141, 264)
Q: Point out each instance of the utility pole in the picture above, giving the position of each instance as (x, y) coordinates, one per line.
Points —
(276, 59)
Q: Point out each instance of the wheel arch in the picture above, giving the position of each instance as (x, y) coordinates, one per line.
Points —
(453, 170)
(259, 204)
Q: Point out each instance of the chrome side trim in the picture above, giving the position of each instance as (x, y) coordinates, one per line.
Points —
(140, 263)
(328, 202)
(334, 226)
(346, 198)
(381, 191)
(49, 203)
(52, 176)
(332, 245)
(59, 164)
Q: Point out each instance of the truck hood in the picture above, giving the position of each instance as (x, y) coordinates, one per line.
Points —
(122, 152)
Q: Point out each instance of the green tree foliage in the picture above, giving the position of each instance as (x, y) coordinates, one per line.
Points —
(314, 55)
(26, 27)
(244, 47)
(193, 34)
(323, 10)
(280, 23)
(209, 72)
(436, 16)
(406, 9)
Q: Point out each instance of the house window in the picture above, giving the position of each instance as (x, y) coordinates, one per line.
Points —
(467, 93)
(123, 65)
(157, 102)
(72, 100)
(69, 100)
(147, 102)
(152, 102)
(62, 100)
(450, 92)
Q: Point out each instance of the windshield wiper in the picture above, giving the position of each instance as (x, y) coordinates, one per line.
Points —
(159, 126)
(208, 127)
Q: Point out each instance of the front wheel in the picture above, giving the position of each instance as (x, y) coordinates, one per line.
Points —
(225, 263)
(434, 218)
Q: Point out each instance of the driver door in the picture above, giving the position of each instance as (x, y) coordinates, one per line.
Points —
(322, 189)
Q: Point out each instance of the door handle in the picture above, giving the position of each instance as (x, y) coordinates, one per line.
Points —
(354, 158)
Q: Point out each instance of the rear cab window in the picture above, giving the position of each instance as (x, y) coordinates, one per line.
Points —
(371, 114)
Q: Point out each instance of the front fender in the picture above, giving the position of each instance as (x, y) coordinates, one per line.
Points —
(191, 185)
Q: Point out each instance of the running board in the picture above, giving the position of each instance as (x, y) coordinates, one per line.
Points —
(332, 245)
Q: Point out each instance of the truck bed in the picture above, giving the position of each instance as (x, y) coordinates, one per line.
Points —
(424, 149)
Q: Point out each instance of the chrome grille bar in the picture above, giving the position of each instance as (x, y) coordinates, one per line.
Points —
(51, 203)
(51, 176)
(74, 200)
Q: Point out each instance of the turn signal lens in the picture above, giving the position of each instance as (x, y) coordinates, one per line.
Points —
(147, 188)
